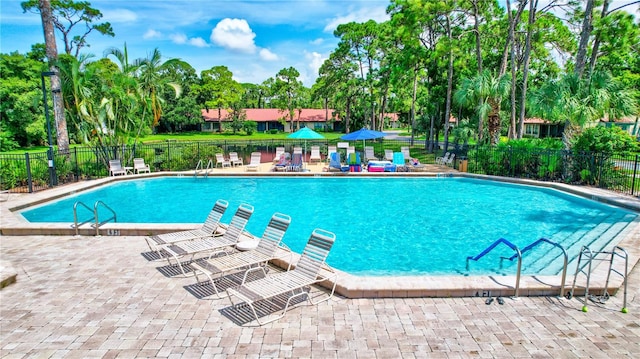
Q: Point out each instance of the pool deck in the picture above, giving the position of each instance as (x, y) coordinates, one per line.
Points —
(86, 296)
(98, 297)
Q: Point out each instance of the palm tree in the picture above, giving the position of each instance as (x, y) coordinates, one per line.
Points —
(486, 92)
(152, 77)
(577, 102)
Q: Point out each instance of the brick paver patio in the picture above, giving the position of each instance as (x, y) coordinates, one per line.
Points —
(98, 297)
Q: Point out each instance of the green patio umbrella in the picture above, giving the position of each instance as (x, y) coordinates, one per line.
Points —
(305, 134)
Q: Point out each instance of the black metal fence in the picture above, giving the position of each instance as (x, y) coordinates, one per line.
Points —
(30, 172)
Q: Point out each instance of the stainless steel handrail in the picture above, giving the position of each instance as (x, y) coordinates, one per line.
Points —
(95, 211)
(75, 215)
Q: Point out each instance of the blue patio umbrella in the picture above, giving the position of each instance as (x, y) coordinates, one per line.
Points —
(305, 134)
(363, 134)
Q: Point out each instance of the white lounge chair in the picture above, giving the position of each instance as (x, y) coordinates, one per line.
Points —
(210, 227)
(221, 161)
(139, 166)
(249, 261)
(254, 164)
(330, 150)
(234, 159)
(315, 154)
(449, 161)
(388, 155)
(279, 152)
(405, 151)
(209, 245)
(291, 283)
(369, 154)
(350, 150)
(116, 169)
(444, 159)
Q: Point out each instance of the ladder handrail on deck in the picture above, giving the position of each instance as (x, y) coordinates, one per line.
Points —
(564, 253)
(494, 245)
(95, 218)
(200, 166)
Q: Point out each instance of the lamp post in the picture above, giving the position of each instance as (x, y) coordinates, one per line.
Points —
(53, 178)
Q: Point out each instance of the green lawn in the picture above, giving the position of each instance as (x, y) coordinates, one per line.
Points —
(212, 136)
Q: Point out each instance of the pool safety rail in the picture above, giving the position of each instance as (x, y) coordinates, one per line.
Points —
(518, 254)
(493, 246)
(585, 266)
(95, 217)
(535, 244)
(200, 170)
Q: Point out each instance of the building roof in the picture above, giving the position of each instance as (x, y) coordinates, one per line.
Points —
(271, 114)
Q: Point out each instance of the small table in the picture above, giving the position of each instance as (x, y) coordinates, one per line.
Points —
(128, 170)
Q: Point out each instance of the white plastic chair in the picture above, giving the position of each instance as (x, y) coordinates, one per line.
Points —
(234, 159)
(315, 154)
(223, 162)
(139, 166)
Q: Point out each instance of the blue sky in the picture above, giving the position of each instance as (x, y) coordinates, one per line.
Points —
(253, 38)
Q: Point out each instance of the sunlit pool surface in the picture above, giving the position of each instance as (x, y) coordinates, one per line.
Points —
(384, 226)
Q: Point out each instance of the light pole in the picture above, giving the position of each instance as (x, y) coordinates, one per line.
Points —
(53, 178)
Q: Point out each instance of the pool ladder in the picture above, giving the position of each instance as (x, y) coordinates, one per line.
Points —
(95, 217)
(586, 268)
(200, 167)
(518, 254)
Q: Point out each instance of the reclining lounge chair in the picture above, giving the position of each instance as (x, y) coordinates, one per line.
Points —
(210, 245)
(291, 283)
(250, 261)
(209, 228)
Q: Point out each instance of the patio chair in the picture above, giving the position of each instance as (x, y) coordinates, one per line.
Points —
(369, 154)
(139, 166)
(283, 162)
(234, 159)
(399, 162)
(254, 164)
(350, 150)
(388, 155)
(249, 261)
(315, 154)
(291, 284)
(211, 245)
(296, 163)
(209, 228)
(406, 153)
(279, 152)
(449, 161)
(353, 160)
(334, 163)
(297, 149)
(116, 169)
(330, 150)
(223, 162)
(443, 159)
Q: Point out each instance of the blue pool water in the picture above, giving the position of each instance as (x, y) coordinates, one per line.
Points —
(384, 226)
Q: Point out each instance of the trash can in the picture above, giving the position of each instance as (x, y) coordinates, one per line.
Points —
(462, 164)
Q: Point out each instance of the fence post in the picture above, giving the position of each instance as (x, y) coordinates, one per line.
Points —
(633, 181)
(77, 166)
(28, 168)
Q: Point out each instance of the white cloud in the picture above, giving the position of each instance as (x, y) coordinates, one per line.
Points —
(115, 16)
(267, 55)
(183, 39)
(378, 14)
(152, 34)
(317, 41)
(234, 34)
(178, 38)
(198, 42)
(314, 62)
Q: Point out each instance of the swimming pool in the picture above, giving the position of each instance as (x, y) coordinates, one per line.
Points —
(384, 226)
